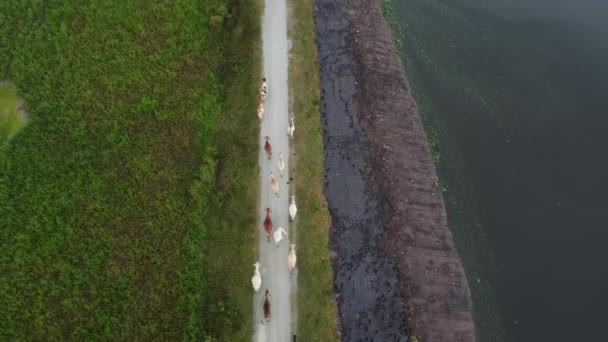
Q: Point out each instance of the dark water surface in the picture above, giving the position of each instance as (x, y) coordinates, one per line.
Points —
(514, 96)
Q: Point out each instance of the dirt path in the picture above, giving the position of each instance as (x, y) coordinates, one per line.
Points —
(275, 273)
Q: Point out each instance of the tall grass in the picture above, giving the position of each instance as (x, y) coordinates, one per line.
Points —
(126, 200)
(317, 309)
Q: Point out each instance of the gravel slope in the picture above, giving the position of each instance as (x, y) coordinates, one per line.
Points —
(397, 272)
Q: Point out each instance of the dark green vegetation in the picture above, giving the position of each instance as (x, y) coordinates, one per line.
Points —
(317, 316)
(127, 205)
(515, 104)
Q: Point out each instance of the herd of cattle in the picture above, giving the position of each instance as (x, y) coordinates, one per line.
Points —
(280, 232)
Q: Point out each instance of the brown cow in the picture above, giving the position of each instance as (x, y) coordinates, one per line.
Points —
(267, 305)
(268, 223)
(267, 147)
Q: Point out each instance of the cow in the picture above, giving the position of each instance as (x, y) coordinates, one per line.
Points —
(268, 224)
(274, 184)
(267, 147)
(267, 305)
(256, 280)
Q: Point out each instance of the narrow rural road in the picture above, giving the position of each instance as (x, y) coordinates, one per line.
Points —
(274, 270)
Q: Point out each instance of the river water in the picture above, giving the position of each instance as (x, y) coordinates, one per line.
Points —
(514, 97)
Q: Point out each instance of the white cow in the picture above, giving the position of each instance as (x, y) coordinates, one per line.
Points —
(292, 208)
(263, 89)
(281, 163)
(291, 259)
(256, 280)
(260, 112)
(291, 127)
(274, 184)
(278, 235)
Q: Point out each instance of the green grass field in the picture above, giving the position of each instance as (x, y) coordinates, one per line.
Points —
(127, 204)
(317, 316)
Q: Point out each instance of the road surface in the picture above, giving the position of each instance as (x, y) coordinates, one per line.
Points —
(274, 270)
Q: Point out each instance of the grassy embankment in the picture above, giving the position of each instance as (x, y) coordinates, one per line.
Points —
(317, 309)
(127, 205)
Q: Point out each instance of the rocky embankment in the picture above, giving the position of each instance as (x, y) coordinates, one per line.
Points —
(396, 269)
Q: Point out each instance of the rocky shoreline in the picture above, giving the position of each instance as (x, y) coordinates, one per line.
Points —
(396, 270)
